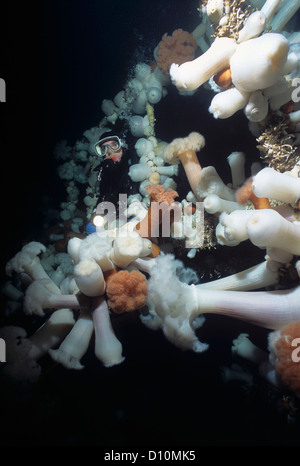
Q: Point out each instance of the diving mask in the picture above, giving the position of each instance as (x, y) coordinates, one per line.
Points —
(112, 143)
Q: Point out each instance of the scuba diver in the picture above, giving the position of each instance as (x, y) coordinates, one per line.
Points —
(109, 147)
(113, 174)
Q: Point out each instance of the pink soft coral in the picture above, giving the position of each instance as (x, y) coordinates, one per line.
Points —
(159, 194)
(178, 48)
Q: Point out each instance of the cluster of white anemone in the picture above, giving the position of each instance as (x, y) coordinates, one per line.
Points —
(79, 168)
(147, 86)
(63, 335)
(260, 63)
(180, 311)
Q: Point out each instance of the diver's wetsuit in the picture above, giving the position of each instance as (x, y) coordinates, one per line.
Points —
(114, 180)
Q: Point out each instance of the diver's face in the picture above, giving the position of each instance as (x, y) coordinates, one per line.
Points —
(115, 155)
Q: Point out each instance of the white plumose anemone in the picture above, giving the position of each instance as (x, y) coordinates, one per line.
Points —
(258, 63)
